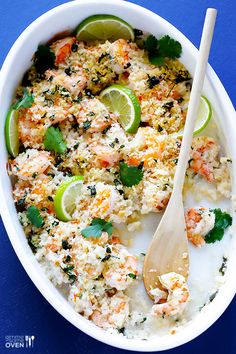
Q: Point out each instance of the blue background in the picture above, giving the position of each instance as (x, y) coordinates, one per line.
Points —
(23, 310)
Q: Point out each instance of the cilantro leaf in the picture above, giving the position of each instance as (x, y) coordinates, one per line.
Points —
(53, 140)
(97, 227)
(130, 175)
(155, 59)
(26, 101)
(222, 221)
(132, 275)
(34, 216)
(165, 47)
(44, 58)
(151, 43)
(169, 47)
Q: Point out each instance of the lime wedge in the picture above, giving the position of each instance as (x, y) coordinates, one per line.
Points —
(11, 132)
(104, 27)
(66, 197)
(203, 116)
(121, 101)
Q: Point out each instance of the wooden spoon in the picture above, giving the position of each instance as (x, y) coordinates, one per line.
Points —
(168, 251)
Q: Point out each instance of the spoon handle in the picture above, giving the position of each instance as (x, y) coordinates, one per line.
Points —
(198, 81)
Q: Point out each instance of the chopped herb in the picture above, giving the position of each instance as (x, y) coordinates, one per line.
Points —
(33, 241)
(76, 146)
(143, 254)
(65, 245)
(212, 296)
(138, 32)
(121, 330)
(182, 76)
(68, 258)
(68, 71)
(88, 93)
(108, 250)
(96, 228)
(34, 175)
(92, 190)
(168, 105)
(130, 175)
(106, 129)
(153, 81)
(132, 275)
(33, 214)
(53, 140)
(68, 270)
(180, 100)
(74, 47)
(159, 128)
(108, 256)
(20, 202)
(86, 125)
(143, 320)
(26, 101)
(44, 59)
(222, 221)
(223, 266)
(165, 47)
(128, 65)
(117, 182)
(55, 223)
(102, 56)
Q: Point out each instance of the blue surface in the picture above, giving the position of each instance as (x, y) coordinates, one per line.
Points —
(23, 310)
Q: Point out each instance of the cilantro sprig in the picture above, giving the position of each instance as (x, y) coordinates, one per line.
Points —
(53, 140)
(26, 101)
(44, 58)
(33, 214)
(130, 175)
(159, 49)
(222, 221)
(96, 228)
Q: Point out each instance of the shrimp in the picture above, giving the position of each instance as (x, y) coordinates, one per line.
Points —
(31, 164)
(39, 194)
(74, 83)
(203, 158)
(119, 273)
(113, 311)
(178, 296)
(30, 133)
(105, 156)
(96, 113)
(120, 51)
(199, 221)
(62, 49)
(104, 201)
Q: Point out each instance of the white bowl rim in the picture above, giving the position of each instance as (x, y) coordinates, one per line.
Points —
(222, 300)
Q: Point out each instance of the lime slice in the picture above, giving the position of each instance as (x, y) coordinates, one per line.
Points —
(104, 27)
(11, 132)
(121, 101)
(203, 116)
(66, 197)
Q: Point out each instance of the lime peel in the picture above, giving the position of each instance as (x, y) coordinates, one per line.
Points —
(122, 101)
(204, 115)
(65, 198)
(104, 27)
(11, 132)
